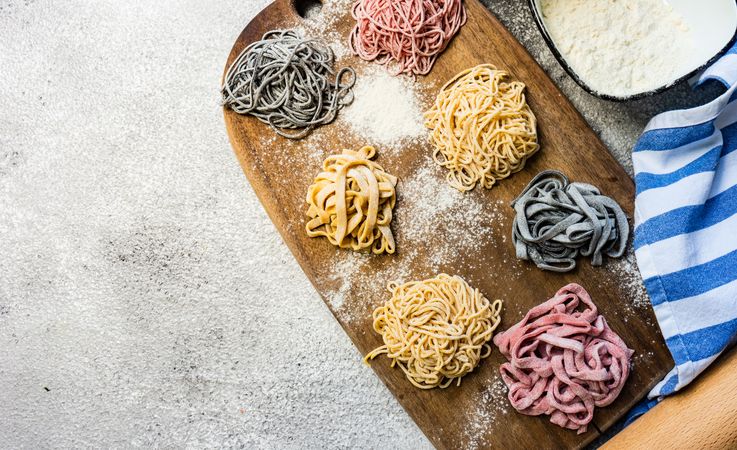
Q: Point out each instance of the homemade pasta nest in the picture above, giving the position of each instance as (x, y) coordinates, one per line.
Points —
(482, 128)
(351, 201)
(408, 34)
(288, 82)
(435, 330)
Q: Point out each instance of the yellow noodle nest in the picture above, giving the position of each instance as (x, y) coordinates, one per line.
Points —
(351, 201)
(482, 128)
(435, 330)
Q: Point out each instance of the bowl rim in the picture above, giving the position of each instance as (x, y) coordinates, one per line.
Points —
(537, 14)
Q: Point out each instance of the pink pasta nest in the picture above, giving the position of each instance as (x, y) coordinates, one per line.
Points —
(562, 361)
(409, 33)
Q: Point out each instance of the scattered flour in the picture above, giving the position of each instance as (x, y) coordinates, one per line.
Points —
(628, 275)
(329, 14)
(386, 109)
(641, 358)
(301, 157)
(430, 210)
(321, 25)
(491, 403)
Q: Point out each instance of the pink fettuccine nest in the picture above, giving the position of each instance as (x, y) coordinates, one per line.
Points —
(563, 361)
(410, 33)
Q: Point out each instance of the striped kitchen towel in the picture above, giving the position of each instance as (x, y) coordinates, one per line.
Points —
(686, 226)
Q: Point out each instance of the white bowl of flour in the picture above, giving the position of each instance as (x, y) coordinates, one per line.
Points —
(628, 49)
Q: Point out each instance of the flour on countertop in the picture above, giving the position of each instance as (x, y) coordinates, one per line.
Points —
(621, 47)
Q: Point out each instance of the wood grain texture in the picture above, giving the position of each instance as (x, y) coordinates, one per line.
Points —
(280, 172)
(703, 416)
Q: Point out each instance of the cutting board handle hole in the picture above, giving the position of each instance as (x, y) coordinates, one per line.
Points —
(308, 9)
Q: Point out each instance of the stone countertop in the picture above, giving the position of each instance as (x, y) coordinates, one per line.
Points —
(145, 297)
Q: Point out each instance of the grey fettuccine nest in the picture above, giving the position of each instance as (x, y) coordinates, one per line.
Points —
(557, 220)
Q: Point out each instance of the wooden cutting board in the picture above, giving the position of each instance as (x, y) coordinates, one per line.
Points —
(464, 234)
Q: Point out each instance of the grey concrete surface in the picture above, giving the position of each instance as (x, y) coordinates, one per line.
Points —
(145, 298)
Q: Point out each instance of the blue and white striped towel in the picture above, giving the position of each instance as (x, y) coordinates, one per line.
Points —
(686, 226)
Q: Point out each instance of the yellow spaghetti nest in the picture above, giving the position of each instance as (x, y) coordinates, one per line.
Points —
(482, 128)
(351, 201)
(435, 330)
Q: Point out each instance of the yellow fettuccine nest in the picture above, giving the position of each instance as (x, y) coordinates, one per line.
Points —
(351, 201)
(482, 128)
(435, 330)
